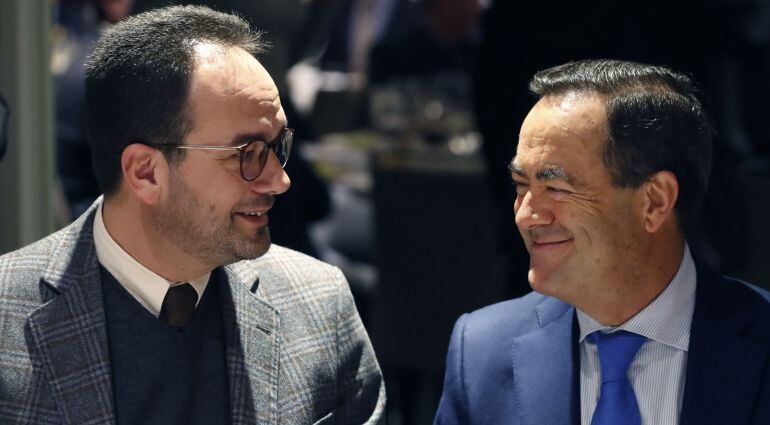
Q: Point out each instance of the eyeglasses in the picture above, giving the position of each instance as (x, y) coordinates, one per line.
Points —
(253, 154)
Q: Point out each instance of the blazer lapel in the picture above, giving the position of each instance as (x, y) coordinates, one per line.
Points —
(68, 335)
(723, 369)
(544, 373)
(252, 339)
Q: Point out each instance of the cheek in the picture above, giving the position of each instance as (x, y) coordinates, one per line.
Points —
(570, 214)
(213, 200)
(581, 221)
(610, 233)
(219, 198)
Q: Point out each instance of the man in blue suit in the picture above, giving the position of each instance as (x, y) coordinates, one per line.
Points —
(624, 327)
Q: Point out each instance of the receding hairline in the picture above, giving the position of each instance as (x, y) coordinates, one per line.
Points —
(553, 172)
(214, 61)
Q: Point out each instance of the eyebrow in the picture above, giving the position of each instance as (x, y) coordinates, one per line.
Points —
(547, 174)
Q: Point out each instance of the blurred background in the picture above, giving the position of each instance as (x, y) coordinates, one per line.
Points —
(406, 114)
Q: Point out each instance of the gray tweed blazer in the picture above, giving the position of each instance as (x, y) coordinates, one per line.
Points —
(297, 352)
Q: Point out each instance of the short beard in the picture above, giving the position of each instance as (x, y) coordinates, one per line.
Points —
(211, 240)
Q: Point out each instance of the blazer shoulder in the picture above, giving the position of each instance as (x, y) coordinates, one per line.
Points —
(289, 264)
(35, 255)
(287, 277)
(289, 258)
(720, 290)
(63, 250)
(764, 295)
(513, 318)
(21, 270)
(727, 301)
(755, 300)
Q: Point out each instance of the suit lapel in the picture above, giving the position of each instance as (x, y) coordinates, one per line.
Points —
(544, 371)
(723, 368)
(252, 339)
(68, 334)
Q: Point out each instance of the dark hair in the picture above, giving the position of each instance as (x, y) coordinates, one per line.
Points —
(138, 78)
(655, 122)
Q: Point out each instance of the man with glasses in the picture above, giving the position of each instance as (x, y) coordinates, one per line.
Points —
(165, 302)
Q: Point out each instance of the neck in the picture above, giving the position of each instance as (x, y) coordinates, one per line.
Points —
(625, 296)
(131, 227)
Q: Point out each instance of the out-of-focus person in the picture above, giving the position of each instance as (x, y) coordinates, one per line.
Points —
(78, 26)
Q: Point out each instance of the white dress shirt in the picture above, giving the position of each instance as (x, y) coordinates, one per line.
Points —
(657, 373)
(143, 284)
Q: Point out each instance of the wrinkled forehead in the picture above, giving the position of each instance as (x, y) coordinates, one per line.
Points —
(562, 132)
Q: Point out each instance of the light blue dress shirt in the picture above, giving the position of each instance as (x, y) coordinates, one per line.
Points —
(657, 373)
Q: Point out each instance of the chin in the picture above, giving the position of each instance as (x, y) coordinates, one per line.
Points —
(256, 250)
(543, 281)
(535, 280)
(255, 245)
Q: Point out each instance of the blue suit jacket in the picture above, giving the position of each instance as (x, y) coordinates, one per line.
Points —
(517, 362)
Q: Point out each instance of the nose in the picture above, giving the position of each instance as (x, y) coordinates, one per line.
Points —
(273, 179)
(532, 210)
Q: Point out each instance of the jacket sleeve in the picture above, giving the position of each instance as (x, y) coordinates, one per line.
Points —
(360, 387)
(453, 408)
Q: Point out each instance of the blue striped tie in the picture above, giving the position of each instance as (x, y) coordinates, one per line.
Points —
(617, 403)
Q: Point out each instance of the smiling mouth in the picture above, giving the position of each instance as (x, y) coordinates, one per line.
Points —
(258, 218)
(541, 244)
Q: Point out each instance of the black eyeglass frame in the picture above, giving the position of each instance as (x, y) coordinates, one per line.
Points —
(286, 139)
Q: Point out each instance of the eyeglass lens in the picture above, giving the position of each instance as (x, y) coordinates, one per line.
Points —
(254, 156)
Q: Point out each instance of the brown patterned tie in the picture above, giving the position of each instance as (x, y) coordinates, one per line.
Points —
(179, 305)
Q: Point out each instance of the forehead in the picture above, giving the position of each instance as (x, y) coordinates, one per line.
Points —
(229, 83)
(566, 131)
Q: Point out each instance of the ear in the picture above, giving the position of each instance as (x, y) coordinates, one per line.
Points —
(660, 194)
(143, 170)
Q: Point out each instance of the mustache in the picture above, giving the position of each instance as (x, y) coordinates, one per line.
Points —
(262, 202)
(547, 233)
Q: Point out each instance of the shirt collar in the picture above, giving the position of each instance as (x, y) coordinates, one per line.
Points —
(142, 283)
(667, 318)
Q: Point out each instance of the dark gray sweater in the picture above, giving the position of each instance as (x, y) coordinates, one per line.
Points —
(162, 375)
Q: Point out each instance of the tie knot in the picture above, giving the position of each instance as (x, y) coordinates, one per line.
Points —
(616, 351)
(179, 305)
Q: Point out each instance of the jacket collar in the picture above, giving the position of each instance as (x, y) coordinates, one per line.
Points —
(69, 332)
(546, 386)
(252, 338)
